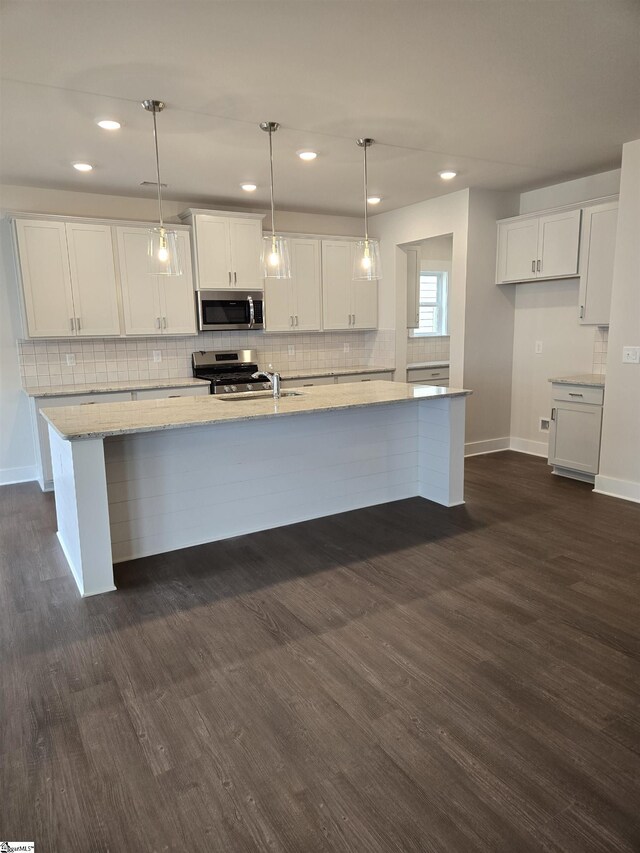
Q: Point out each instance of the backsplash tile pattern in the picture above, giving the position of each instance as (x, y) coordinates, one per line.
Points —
(44, 363)
(600, 346)
(427, 349)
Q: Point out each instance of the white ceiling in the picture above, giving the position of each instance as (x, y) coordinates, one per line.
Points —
(512, 95)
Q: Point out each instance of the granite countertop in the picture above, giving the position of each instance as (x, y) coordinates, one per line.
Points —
(312, 372)
(108, 419)
(416, 364)
(105, 387)
(594, 379)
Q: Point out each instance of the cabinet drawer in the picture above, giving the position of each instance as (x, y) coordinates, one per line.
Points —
(308, 383)
(367, 377)
(578, 394)
(165, 393)
(427, 374)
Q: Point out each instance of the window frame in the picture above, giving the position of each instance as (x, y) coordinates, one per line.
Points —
(441, 305)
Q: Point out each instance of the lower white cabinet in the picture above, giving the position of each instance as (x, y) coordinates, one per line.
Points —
(574, 438)
(41, 427)
(385, 376)
(429, 376)
(334, 380)
(308, 383)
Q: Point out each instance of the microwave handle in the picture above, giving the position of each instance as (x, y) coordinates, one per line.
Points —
(252, 313)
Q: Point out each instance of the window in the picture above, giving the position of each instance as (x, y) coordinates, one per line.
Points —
(433, 303)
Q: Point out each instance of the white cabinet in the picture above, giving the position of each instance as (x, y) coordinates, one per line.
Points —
(347, 304)
(168, 393)
(154, 305)
(535, 247)
(574, 439)
(597, 249)
(294, 305)
(383, 376)
(309, 382)
(429, 376)
(68, 278)
(227, 250)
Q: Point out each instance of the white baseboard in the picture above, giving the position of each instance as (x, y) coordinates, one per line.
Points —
(491, 445)
(8, 476)
(525, 445)
(628, 490)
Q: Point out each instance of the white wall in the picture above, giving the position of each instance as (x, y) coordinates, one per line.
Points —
(547, 311)
(17, 459)
(620, 452)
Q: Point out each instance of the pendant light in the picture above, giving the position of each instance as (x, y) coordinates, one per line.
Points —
(275, 250)
(164, 257)
(366, 261)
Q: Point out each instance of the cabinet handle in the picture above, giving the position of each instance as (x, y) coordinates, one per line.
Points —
(553, 414)
(533, 266)
(164, 322)
(291, 319)
(308, 385)
(354, 319)
(575, 394)
(229, 278)
(296, 316)
(157, 322)
(235, 278)
(539, 266)
(72, 323)
(582, 312)
(77, 324)
(435, 374)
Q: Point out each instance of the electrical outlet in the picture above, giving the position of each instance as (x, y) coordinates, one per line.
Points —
(346, 347)
(71, 359)
(157, 355)
(538, 347)
(291, 349)
(544, 424)
(631, 355)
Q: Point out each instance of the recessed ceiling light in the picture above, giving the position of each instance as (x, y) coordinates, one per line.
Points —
(83, 167)
(374, 199)
(447, 175)
(109, 124)
(248, 188)
(307, 155)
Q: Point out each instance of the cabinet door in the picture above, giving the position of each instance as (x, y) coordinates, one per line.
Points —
(306, 289)
(141, 305)
(46, 278)
(279, 305)
(93, 279)
(246, 248)
(574, 441)
(364, 304)
(517, 250)
(597, 249)
(413, 288)
(178, 302)
(336, 284)
(558, 241)
(212, 252)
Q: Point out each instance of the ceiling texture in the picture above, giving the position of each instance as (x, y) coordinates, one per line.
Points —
(510, 94)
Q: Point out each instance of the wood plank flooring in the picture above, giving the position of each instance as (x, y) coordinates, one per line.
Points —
(400, 678)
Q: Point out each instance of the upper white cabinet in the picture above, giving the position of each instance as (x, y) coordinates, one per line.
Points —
(154, 304)
(226, 249)
(68, 279)
(295, 304)
(597, 249)
(538, 247)
(347, 304)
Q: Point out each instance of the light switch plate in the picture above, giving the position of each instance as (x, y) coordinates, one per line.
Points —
(631, 355)
(538, 347)
(71, 359)
(157, 355)
(346, 347)
(291, 349)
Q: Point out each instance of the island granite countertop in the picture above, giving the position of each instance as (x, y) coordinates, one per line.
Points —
(106, 387)
(109, 419)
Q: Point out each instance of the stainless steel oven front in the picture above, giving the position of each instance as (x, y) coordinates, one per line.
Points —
(230, 309)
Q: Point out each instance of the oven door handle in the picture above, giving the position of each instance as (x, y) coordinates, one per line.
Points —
(252, 313)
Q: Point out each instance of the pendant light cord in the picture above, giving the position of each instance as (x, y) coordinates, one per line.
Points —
(366, 219)
(155, 141)
(273, 216)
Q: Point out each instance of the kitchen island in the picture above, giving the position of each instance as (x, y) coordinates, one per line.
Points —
(134, 479)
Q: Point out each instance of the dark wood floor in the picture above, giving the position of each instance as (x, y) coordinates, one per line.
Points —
(401, 678)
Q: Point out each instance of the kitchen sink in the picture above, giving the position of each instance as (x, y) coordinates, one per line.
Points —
(258, 395)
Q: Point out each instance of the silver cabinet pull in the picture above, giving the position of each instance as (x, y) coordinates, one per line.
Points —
(229, 278)
(164, 322)
(72, 323)
(291, 319)
(553, 414)
(77, 324)
(157, 322)
(533, 266)
(435, 374)
(235, 278)
(296, 316)
(575, 394)
(539, 266)
(354, 319)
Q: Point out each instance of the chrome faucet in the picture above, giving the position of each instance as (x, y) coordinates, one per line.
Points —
(273, 378)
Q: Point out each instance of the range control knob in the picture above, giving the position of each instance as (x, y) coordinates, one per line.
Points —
(233, 388)
(226, 389)
(249, 387)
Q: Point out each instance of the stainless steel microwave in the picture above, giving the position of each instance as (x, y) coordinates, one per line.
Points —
(230, 309)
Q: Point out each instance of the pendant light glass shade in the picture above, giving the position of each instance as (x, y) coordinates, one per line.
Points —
(164, 252)
(276, 262)
(366, 259)
(162, 247)
(366, 262)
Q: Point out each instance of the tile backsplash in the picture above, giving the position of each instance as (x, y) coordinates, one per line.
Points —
(427, 349)
(44, 363)
(600, 345)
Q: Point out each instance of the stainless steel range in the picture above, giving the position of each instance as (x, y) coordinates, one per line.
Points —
(228, 371)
